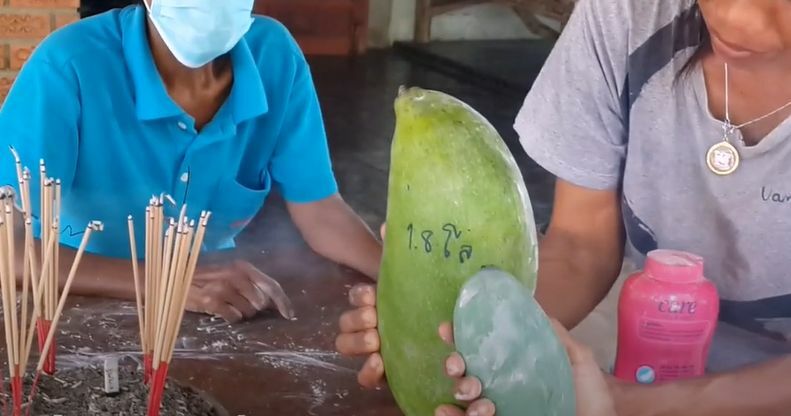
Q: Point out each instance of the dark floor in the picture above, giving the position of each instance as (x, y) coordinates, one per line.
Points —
(357, 98)
(509, 66)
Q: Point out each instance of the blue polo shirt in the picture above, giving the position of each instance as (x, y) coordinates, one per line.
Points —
(91, 103)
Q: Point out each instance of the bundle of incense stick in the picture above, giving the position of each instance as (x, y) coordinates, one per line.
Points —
(19, 321)
(170, 262)
(49, 217)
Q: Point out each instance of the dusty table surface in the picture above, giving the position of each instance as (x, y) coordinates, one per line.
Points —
(266, 366)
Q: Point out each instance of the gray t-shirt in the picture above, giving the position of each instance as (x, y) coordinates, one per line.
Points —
(610, 110)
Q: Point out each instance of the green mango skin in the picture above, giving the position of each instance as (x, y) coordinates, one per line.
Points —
(508, 343)
(456, 203)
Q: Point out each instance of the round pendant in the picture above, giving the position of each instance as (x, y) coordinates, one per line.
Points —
(722, 158)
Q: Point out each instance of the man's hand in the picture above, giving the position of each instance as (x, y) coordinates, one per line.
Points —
(236, 291)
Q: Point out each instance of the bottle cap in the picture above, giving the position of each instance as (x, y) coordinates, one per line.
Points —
(674, 266)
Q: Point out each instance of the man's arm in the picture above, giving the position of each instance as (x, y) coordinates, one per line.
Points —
(582, 253)
(333, 230)
(96, 275)
(760, 390)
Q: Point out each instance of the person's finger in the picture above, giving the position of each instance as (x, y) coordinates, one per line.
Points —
(229, 313)
(362, 295)
(468, 389)
(358, 343)
(483, 407)
(448, 410)
(239, 302)
(271, 288)
(358, 319)
(246, 288)
(223, 310)
(373, 371)
(383, 230)
(224, 300)
(455, 366)
(446, 332)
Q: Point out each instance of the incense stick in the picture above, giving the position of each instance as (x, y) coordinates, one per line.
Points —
(44, 226)
(29, 274)
(136, 277)
(49, 275)
(56, 230)
(52, 283)
(165, 287)
(10, 260)
(4, 278)
(24, 302)
(37, 301)
(174, 290)
(149, 259)
(178, 269)
(40, 280)
(179, 302)
(92, 227)
(31, 257)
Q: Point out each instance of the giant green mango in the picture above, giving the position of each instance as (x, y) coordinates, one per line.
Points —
(456, 204)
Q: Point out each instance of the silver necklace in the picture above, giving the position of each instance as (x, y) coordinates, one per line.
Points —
(723, 158)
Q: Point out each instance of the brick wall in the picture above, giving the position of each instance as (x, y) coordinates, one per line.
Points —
(24, 23)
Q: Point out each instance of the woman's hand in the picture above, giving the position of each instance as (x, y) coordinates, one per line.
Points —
(592, 392)
(359, 335)
(236, 291)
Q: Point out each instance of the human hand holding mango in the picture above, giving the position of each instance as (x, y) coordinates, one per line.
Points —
(592, 391)
(359, 335)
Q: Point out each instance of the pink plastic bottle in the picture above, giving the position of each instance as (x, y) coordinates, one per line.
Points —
(667, 314)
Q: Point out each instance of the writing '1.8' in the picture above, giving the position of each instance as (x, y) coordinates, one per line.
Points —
(446, 242)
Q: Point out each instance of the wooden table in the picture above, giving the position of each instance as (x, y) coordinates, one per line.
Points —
(267, 366)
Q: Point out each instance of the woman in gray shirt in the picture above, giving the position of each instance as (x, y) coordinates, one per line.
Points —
(667, 124)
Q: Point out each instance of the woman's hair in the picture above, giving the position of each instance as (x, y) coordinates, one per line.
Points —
(704, 46)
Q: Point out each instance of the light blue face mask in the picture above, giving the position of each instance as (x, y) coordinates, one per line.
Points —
(199, 31)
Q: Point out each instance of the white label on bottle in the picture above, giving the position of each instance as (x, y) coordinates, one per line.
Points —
(673, 332)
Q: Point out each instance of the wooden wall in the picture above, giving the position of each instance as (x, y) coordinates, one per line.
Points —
(322, 27)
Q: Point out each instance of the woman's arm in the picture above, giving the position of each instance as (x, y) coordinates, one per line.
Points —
(333, 230)
(582, 253)
(760, 390)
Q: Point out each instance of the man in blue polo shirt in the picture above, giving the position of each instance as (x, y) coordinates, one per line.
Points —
(198, 100)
